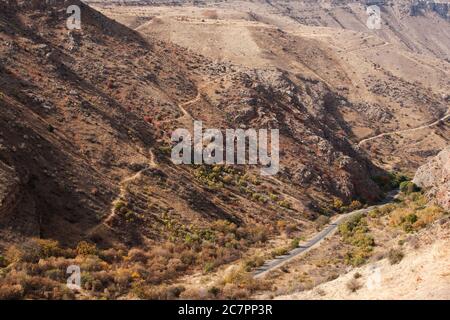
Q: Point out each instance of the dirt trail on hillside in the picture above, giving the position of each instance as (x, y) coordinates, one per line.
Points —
(124, 183)
(405, 130)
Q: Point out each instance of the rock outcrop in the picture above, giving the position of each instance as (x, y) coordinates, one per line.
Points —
(434, 177)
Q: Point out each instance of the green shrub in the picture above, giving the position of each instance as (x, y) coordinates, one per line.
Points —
(3, 262)
(279, 252)
(407, 222)
(29, 251)
(253, 262)
(208, 267)
(338, 204)
(119, 205)
(259, 197)
(356, 233)
(375, 213)
(165, 150)
(295, 243)
(408, 187)
(49, 248)
(390, 181)
(273, 197)
(355, 205)
(285, 204)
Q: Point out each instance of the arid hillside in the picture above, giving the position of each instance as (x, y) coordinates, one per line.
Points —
(87, 122)
(391, 81)
(87, 115)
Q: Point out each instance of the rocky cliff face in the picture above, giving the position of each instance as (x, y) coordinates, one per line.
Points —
(435, 178)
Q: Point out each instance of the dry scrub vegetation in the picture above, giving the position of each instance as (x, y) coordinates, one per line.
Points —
(37, 269)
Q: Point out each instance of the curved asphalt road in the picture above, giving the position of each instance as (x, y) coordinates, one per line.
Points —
(279, 261)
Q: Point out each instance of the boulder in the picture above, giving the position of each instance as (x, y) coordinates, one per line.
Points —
(434, 178)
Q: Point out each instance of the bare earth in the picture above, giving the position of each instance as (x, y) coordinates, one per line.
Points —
(424, 273)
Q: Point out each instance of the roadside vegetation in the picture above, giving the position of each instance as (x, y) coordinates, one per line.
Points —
(355, 232)
(37, 269)
(414, 213)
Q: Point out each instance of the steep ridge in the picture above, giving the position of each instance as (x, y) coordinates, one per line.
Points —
(86, 110)
(87, 116)
(67, 131)
(386, 85)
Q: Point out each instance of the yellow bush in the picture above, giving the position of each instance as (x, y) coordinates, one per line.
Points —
(355, 205)
(337, 203)
(413, 218)
(85, 249)
(49, 248)
(428, 215)
(13, 254)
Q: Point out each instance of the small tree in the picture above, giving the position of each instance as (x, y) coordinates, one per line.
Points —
(408, 187)
(338, 204)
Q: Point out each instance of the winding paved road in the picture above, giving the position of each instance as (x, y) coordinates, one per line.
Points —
(313, 242)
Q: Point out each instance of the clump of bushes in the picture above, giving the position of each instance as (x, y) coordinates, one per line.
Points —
(11, 292)
(33, 250)
(37, 269)
(279, 252)
(356, 233)
(253, 263)
(295, 243)
(408, 187)
(216, 176)
(85, 249)
(238, 284)
(390, 181)
(355, 205)
(163, 292)
(414, 213)
(339, 206)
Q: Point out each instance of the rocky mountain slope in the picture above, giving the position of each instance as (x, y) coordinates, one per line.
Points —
(87, 122)
(391, 80)
(86, 119)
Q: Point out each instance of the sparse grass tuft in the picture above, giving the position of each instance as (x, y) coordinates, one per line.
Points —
(353, 285)
(395, 256)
